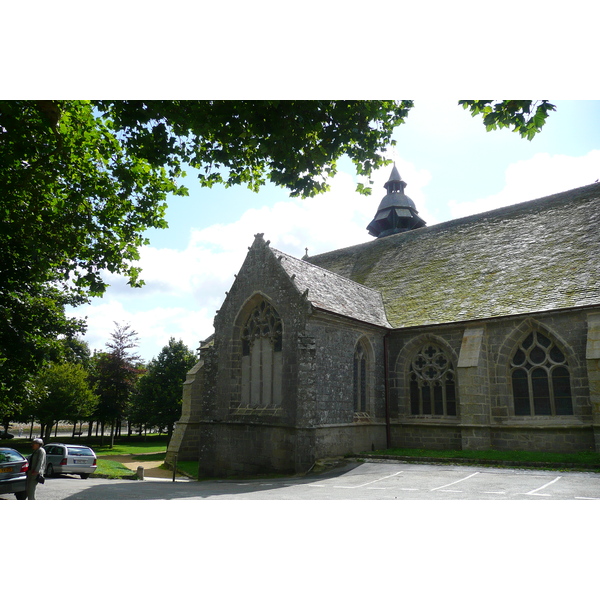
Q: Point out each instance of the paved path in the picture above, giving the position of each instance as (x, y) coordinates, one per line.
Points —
(151, 467)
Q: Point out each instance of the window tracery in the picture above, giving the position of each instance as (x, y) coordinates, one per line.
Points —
(432, 382)
(541, 380)
(262, 338)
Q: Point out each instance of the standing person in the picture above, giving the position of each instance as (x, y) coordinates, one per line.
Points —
(37, 464)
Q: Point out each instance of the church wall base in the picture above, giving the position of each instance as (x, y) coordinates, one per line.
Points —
(510, 437)
(476, 438)
(184, 442)
(426, 436)
(349, 439)
(547, 439)
(597, 438)
(236, 449)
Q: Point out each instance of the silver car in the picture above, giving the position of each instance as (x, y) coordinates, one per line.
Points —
(69, 458)
(13, 473)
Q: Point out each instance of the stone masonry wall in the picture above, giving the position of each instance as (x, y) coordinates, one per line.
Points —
(349, 439)
(335, 343)
(592, 355)
(485, 418)
(247, 449)
(197, 401)
(430, 436)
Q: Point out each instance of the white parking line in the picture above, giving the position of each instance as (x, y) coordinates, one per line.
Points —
(458, 481)
(352, 487)
(584, 498)
(494, 492)
(533, 492)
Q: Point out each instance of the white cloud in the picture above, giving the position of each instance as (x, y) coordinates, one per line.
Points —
(541, 175)
(154, 326)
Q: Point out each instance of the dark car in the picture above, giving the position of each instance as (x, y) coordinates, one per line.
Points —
(13, 473)
(69, 458)
(4, 435)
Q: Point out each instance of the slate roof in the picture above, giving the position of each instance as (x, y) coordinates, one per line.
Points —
(531, 257)
(334, 293)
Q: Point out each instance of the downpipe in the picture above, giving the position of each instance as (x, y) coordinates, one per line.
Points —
(388, 427)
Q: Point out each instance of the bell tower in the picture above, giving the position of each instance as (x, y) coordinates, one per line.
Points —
(396, 212)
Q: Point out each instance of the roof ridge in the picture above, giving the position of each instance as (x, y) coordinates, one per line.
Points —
(573, 194)
(305, 262)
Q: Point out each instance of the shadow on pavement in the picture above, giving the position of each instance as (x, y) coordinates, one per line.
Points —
(217, 488)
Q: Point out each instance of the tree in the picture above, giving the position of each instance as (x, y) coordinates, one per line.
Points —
(63, 393)
(65, 349)
(115, 374)
(160, 389)
(82, 181)
(526, 117)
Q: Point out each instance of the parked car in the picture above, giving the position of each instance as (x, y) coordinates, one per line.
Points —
(69, 458)
(13, 473)
(4, 435)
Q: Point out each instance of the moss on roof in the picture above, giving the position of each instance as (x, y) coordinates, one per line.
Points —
(531, 257)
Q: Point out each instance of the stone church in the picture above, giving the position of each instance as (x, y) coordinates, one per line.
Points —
(481, 332)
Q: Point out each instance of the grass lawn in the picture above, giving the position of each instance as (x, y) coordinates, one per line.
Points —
(133, 447)
(149, 457)
(188, 467)
(112, 470)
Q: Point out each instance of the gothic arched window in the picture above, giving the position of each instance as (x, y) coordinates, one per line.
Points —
(541, 381)
(432, 384)
(261, 357)
(360, 378)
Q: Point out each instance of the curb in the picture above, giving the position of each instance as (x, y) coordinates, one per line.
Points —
(483, 462)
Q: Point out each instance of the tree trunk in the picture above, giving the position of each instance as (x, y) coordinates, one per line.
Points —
(46, 431)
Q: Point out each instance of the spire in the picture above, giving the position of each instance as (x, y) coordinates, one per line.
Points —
(396, 212)
(394, 183)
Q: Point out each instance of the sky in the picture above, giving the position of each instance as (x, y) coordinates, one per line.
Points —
(452, 167)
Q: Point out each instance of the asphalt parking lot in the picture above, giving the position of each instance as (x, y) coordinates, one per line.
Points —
(353, 481)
